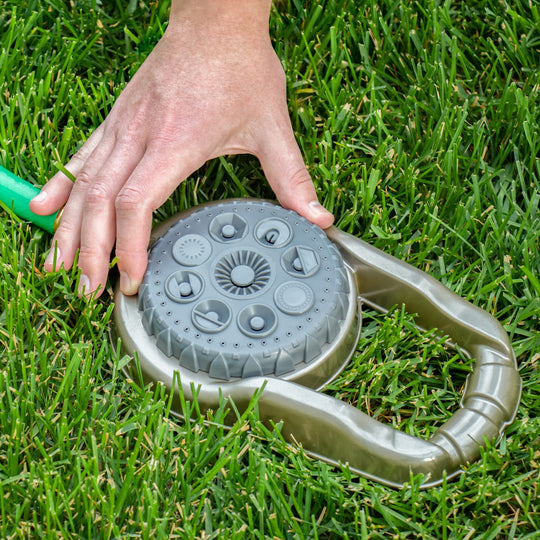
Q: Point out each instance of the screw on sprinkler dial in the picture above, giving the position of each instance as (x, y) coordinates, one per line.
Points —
(271, 291)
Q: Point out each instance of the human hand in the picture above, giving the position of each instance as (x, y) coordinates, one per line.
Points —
(212, 86)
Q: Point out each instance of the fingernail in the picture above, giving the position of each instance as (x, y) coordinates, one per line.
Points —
(53, 259)
(320, 215)
(318, 208)
(127, 286)
(84, 285)
(40, 197)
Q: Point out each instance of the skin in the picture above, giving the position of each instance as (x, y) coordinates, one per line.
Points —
(212, 86)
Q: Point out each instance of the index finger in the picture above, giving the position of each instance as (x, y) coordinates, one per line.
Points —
(148, 187)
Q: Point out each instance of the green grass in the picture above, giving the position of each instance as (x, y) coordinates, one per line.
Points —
(419, 122)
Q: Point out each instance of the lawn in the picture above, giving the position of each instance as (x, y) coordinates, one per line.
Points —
(419, 122)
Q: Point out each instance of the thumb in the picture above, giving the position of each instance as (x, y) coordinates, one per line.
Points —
(287, 175)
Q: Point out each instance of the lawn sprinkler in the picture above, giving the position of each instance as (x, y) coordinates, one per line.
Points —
(243, 297)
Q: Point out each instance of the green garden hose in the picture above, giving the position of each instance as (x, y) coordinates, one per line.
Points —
(16, 194)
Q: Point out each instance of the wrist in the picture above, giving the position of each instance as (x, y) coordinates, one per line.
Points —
(246, 16)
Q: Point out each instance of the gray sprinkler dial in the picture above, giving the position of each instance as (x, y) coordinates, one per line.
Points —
(243, 290)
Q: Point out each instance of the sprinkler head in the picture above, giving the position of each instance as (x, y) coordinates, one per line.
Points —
(247, 289)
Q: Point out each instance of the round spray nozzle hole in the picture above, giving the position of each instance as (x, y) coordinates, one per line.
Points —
(184, 286)
(228, 227)
(211, 316)
(273, 232)
(257, 320)
(300, 261)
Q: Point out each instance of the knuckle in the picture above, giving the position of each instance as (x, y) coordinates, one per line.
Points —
(80, 156)
(84, 179)
(130, 198)
(93, 255)
(68, 230)
(129, 140)
(98, 194)
(300, 177)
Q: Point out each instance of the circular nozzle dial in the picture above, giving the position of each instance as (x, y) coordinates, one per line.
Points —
(244, 288)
